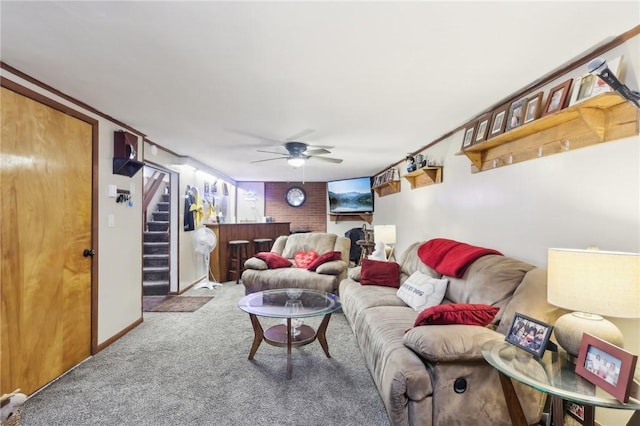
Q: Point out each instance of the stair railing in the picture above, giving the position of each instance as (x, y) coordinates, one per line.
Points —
(150, 189)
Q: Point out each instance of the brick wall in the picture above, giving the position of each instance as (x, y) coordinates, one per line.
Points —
(311, 216)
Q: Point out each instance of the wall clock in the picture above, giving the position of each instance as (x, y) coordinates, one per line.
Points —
(295, 196)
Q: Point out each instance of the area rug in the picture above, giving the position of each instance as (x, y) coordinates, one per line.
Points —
(180, 304)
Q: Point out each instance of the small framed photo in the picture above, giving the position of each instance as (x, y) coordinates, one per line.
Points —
(516, 114)
(557, 97)
(498, 121)
(590, 85)
(606, 366)
(529, 334)
(483, 128)
(468, 135)
(532, 108)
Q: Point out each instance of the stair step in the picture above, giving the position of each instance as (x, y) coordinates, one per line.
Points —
(158, 260)
(161, 216)
(155, 273)
(155, 288)
(166, 197)
(163, 206)
(157, 225)
(155, 248)
(156, 237)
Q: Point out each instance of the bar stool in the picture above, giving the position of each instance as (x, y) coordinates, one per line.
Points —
(238, 254)
(261, 244)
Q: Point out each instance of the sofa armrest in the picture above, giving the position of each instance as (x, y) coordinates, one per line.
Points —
(354, 273)
(446, 343)
(255, 263)
(334, 267)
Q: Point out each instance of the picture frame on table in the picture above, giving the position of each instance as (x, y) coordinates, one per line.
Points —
(529, 334)
(516, 114)
(532, 108)
(575, 410)
(607, 366)
(467, 140)
(557, 97)
(482, 130)
(498, 121)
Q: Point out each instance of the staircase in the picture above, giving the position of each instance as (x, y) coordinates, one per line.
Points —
(155, 258)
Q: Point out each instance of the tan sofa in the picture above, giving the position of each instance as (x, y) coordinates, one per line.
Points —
(420, 371)
(258, 277)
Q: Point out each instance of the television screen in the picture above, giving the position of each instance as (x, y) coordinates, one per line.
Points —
(350, 195)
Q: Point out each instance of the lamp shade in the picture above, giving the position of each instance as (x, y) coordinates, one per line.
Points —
(598, 282)
(384, 233)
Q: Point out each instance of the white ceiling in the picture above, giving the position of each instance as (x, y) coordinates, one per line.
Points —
(375, 80)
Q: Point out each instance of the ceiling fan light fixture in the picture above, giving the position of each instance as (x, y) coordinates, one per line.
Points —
(295, 161)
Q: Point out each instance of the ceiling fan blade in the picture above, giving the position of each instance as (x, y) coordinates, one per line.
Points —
(317, 151)
(326, 159)
(272, 152)
(269, 159)
(300, 135)
(276, 142)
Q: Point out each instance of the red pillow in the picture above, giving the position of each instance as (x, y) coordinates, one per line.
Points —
(457, 313)
(378, 272)
(324, 258)
(273, 260)
(304, 259)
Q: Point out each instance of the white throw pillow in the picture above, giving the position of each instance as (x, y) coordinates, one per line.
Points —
(420, 291)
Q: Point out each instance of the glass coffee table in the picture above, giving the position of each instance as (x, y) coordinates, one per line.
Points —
(291, 304)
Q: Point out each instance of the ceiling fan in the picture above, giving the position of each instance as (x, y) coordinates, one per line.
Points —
(297, 152)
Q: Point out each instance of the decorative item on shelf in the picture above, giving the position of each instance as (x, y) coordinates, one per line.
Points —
(594, 283)
(421, 161)
(557, 98)
(467, 139)
(125, 147)
(532, 108)
(411, 163)
(606, 366)
(516, 113)
(483, 128)
(599, 67)
(386, 234)
(498, 121)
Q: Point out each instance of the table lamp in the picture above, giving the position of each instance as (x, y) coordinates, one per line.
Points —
(386, 234)
(593, 283)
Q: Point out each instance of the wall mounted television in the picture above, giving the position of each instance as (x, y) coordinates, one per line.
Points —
(350, 195)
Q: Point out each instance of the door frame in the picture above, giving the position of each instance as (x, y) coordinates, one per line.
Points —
(43, 99)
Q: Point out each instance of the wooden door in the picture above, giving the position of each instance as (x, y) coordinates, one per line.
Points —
(45, 207)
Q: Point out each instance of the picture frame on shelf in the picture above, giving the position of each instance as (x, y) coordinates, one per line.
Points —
(532, 108)
(498, 121)
(590, 85)
(575, 410)
(482, 129)
(557, 97)
(516, 114)
(607, 366)
(529, 334)
(467, 140)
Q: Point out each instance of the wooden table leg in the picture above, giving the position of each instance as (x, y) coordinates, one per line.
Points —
(557, 411)
(321, 334)
(258, 335)
(288, 348)
(513, 403)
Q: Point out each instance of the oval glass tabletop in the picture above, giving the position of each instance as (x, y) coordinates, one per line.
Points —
(290, 303)
(552, 374)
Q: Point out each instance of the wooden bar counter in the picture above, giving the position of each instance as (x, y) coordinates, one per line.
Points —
(225, 232)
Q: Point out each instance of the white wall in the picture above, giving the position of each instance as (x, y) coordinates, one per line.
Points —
(590, 196)
(250, 206)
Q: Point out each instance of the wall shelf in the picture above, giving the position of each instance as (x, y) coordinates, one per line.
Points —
(387, 188)
(367, 217)
(424, 176)
(602, 118)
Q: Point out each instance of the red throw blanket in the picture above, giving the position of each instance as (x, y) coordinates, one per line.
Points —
(449, 257)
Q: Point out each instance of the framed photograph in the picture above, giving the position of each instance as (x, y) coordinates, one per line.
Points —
(557, 97)
(529, 334)
(482, 130)
(498, 121)
(606, 366)
(532, 108)
(468, 135)
(516, 114)
(590, 85)
(575, 410)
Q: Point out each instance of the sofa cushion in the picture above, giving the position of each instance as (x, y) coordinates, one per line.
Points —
(421, 291)
(255, 263)
(457, 313)
(303, 259)
(377, 272)
(335, 267)
(273, 260)
(490, 280)
(450, 342)
(324, 258)
(318, 241)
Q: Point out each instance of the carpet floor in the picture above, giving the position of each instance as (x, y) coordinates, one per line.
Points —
(175, 303)
(192, 369)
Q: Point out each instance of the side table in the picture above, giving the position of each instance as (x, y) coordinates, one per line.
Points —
(553, 375)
